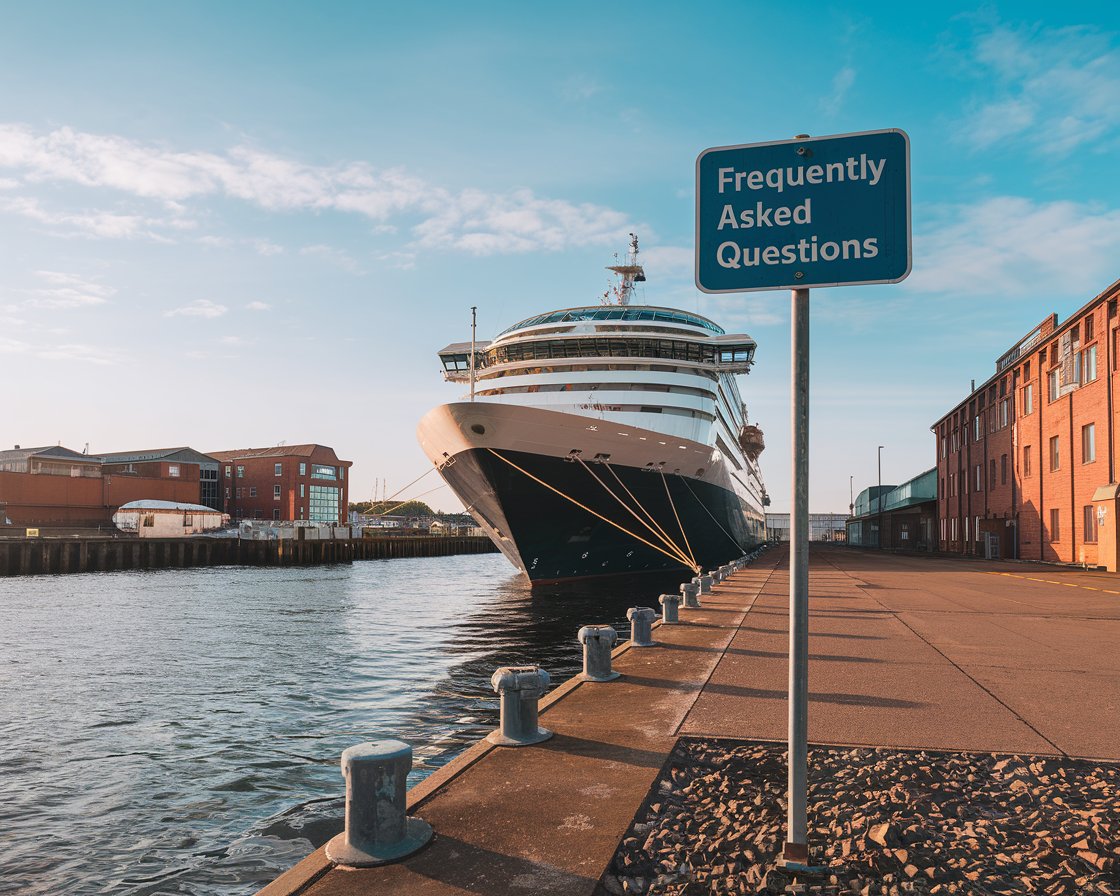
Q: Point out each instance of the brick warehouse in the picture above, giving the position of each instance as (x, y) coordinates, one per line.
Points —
(1026, 464)
(288, 482)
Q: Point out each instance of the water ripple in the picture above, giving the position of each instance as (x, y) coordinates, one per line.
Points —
(179, 731)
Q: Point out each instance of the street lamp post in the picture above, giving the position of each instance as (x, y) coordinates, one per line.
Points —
(879, 500)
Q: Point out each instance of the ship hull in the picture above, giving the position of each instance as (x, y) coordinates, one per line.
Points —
(532, 481)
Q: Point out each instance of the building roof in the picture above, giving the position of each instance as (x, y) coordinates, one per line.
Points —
(276, 451)
(55, 452)
(153, 504)
(183, 453)
(1044, 333)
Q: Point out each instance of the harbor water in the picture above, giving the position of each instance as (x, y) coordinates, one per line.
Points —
(179, 731)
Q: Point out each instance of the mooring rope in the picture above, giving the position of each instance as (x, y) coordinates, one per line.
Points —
(668, 542)
(399, 490)
(672, 504)
(734, 541)
(588, 509)
(640, 506)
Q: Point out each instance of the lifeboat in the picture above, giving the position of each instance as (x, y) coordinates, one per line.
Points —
(751, 441)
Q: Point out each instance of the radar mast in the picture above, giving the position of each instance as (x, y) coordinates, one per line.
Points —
(630, 273)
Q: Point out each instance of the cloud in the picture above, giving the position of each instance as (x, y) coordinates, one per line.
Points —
(663, 262)
(486, 224)
(93, 224)
(266, 248)
(62, 291)
(83, 354)
(1009, 245)
(467, 220)
(259, 306)
(579, 88)
(333, 256)
(198, 308)
(1055, 89)
(842, 82)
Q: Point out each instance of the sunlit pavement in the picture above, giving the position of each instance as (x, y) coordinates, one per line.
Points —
(904, 652)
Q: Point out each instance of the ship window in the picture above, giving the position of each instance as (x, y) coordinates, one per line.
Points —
(631, 312)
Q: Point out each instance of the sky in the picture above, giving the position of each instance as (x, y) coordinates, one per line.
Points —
(236, 225)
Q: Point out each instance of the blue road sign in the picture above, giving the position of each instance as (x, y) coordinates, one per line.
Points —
(822, 211)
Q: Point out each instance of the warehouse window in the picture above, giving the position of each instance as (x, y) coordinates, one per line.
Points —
(240, 471)
(1089, 364)
(252, 491)
(1055, 527)
(979, 477)
(1088, 443)
(1055, 457)
(276, 493)
(278, 469)
(1088, 326)
(229, 471)
(977, 428)
(992, 475)
(276, 513)
(173, 470)
(1003, 469)
(303, 469)
(324, 504)
(1054, 383)
(1090, 524)
(1028, 399)
(1026, 460)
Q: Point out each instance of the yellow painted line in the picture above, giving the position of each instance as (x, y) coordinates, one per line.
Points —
(1090, 588)
(1106, 591)
(1033, 579)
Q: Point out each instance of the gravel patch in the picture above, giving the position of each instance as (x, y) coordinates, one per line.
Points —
(881, 822)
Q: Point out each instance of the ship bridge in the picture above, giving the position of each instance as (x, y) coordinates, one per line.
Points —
(725, 353)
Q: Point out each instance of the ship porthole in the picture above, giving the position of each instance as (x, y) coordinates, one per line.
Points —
(478, 428)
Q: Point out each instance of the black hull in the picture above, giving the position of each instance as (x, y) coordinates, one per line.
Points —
(553, 539)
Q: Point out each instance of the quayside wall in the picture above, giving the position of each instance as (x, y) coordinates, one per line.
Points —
(52, 556)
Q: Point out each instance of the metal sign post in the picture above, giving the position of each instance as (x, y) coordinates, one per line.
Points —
(795, 214)
(796, 849)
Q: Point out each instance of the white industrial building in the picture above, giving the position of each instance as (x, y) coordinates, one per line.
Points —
(167, 519)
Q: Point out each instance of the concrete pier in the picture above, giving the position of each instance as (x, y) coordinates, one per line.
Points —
(55, 556)
(904, 652)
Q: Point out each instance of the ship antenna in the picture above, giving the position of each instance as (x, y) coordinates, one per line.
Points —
(474, 330)
(630, 273)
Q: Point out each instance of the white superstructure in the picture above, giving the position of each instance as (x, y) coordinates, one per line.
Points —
(638, 387)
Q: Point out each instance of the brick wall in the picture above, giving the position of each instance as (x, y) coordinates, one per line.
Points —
(1021, 504)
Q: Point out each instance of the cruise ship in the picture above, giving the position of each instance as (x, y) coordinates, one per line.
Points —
(604, 439)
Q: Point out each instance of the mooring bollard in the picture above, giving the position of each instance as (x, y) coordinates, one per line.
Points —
(641, 618)
(689, 592)
(597, 641)
(520, 688)
(378, 829)
(705, 584)
(669, 604)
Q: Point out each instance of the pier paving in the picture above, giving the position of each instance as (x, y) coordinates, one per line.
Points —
(904, 652)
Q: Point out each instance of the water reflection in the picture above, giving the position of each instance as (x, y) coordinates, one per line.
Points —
(179, 731)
